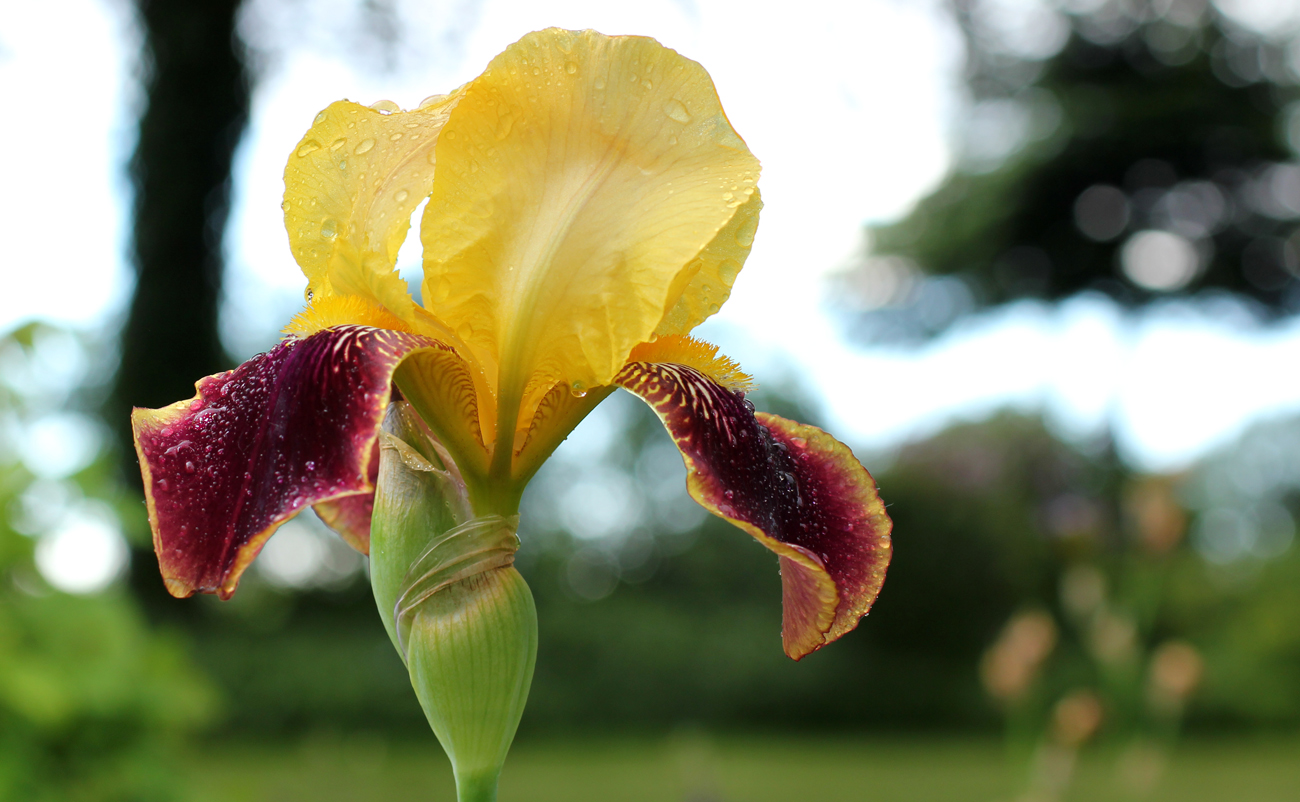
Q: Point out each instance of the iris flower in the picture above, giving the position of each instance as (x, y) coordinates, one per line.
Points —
(589, 204)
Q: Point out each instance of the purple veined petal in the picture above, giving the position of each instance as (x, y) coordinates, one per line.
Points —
(793, 487)
(287, 429)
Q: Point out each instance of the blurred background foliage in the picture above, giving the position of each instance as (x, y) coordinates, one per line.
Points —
(93, 699)
(1141, 149)
(1042, 587)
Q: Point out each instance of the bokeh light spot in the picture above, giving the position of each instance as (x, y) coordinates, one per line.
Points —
(83, 555)
(1101, 212)
(1159, 260)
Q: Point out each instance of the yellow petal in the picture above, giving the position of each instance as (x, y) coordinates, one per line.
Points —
(706, 282)
(441, 387)
(350, 188)
(578, 178)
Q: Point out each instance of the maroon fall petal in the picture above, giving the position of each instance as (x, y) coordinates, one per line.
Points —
(349, 516)
(293, 427)
(795, 488)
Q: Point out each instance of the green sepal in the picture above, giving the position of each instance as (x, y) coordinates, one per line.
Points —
(460, 615)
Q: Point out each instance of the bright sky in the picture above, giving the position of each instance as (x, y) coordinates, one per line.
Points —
(847, 107)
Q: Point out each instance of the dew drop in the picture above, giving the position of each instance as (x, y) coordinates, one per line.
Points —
(450, 134)
(645, 84)
(162, 485)
(677, 111)
(284, 207)
(364, 147)
(600, 82)
(320, 118)
(713, 309)
(537, 71)
(310, 146)
(338, 143)
(311, 465)
(189, 467)
(385, 106)
(443, 290)
(309, 294)
(571, 68)
(431, 100)
(329, 228)
(401, 195)
(578, 389)
(395, 137)
(728, 270)
(464, 331)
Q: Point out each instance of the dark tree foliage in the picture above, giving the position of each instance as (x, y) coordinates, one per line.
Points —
(1146, 120)
(196, 109)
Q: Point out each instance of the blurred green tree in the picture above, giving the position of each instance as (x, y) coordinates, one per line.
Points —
(94, 705)
(1141, 149)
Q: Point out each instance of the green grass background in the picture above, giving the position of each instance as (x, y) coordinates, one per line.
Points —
(693, 767)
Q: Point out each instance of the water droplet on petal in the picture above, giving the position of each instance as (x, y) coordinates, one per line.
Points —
(401, 195)
(431, 100)
(571, 68)
(385, 106)
(578, 389)
(677, 111)
(464, 331)
(162, 485)
(310, 146)
(189, 467)
(395, 137)
(320, 118)
(443, 290)
(364, 147)
(329, 228)
(645, 84)
(728, 270)
(285, 206)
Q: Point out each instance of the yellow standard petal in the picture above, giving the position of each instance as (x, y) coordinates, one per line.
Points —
(350, 188)
(580, 178)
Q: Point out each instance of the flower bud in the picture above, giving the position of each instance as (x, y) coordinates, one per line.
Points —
(458, 612)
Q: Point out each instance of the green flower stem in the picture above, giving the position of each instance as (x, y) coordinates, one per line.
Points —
(460, 615)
